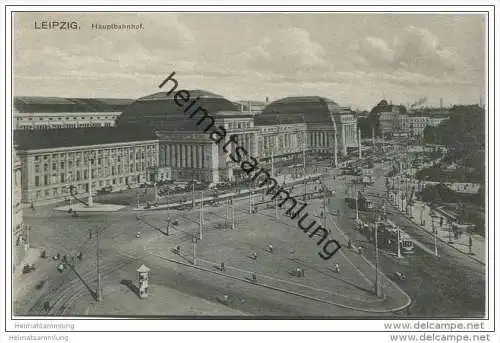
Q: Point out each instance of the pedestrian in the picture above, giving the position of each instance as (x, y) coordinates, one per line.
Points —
(60, 267)
(46, 306)
(298, 272)
(270, 248)
(178, 250)
(44, 254)
(337, 268)
(254, 277)
(254, 255)
(58, 256)
(222, 267)
(226, 299)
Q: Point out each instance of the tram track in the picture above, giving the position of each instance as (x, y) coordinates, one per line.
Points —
(66, 294)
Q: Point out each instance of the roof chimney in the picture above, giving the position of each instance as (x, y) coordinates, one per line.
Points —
(250, 106)
(242, 108)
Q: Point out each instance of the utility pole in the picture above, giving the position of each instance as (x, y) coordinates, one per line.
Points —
(377, 290)
(335, 147)
(399, 243)
(201, 216)
(227, 212)
(192, 196)
(99, 285)
(359, 144)
(422, 214)
(90, 202)
(357, 204)
(272, 156)
(195, 241)
(304, 155)
(276, 207)
(435, 235)
(232, 213)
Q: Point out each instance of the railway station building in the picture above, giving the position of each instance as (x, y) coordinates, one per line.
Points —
(153, 139)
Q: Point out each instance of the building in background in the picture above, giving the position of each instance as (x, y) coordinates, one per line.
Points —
(251, 105)
(155, 140)
(35, 113)
(55, 161)
(320, 119)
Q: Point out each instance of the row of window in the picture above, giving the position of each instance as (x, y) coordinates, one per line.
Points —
(68, 118)
(238, 125)
(112, 152)
(83, 175)
(65, 190)
(63, 126)
(100, 161)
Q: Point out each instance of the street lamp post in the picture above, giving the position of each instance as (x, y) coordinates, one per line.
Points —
(399, 243)
(435, 234)
(356, 192)
(377, 290)
(192, 196)
(232, 213)
(201, 216)
(90, 156)
(195, 241)
(450, 240)
(422, 214)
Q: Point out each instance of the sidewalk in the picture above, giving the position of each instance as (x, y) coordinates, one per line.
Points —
(421, 215)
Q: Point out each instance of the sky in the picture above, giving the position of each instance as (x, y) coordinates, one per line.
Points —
(355, 59)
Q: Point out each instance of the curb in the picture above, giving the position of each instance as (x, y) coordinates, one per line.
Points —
(284, 290)
(439, 238)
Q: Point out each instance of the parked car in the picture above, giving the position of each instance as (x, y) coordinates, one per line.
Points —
(28, 268)
(105, 190)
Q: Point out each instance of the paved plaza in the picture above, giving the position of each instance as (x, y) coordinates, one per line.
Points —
(127, 239)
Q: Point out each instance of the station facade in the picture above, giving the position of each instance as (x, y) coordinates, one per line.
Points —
(283, 131)
(155, 140)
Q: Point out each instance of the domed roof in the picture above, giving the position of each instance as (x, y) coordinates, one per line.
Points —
(159, 111)
(304, 109)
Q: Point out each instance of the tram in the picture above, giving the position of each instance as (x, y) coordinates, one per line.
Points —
(388, 237)
(388, 234)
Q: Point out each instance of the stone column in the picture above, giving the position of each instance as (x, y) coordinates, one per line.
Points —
(178, 156)
(202, 159)
(188, 156)
(335, 148)
(344, 147)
